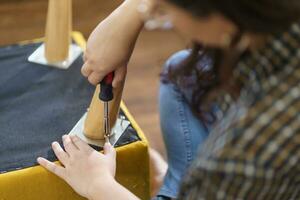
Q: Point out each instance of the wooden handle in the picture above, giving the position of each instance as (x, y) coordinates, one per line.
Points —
(58, 30)
(93, 126)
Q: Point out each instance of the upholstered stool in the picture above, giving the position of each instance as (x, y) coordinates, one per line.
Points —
(37, 106)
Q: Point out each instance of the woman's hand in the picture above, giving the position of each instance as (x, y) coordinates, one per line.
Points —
(110, 45)
(84, 169)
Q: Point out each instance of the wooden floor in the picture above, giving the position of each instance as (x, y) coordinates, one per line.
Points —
(25, 19)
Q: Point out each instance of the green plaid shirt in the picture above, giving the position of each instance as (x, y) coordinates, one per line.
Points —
(253, 151)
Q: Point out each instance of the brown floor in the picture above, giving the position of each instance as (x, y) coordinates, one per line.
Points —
(25, 19)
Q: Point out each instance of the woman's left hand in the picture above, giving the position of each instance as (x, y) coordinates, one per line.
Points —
(84, 169)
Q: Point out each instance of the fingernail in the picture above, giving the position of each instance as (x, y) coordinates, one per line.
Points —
(73, 136)
(107, 144)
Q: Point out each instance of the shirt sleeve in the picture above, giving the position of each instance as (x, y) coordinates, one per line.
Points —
(226, 181)
(255, 158)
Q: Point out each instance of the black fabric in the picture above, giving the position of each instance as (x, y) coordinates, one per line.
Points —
(38, 105)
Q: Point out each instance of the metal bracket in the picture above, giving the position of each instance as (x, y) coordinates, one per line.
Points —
(38, 56)
(117, 131)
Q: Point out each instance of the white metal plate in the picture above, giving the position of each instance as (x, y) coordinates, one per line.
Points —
(38, 56)
(117, 131)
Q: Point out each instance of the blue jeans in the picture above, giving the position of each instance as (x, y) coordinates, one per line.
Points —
(183, 133)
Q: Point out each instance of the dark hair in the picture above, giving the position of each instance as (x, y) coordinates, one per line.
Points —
(263, 16)
(256, 16)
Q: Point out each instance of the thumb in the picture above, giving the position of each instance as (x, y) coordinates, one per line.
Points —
(120, 74)
(109, 150)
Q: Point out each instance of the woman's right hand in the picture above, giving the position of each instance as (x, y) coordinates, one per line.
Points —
(110, 45)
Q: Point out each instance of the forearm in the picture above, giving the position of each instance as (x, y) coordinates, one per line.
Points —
(111, 189)
(130, 15)
(125, 20)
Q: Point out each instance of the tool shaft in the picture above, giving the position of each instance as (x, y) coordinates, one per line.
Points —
(106, 120)
(106, 95)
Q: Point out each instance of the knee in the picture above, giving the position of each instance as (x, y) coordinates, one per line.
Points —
(174, 60)
(167, 88)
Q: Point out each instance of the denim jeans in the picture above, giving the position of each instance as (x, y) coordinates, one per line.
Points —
(183, 133)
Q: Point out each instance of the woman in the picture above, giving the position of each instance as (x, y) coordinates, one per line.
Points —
(242, 86)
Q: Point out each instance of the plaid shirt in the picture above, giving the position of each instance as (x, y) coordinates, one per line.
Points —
(253, 151)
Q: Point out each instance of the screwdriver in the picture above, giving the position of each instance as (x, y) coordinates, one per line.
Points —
(106, 95)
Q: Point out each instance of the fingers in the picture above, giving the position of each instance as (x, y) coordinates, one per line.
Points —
(60, 153)
(69, 145)
(109, 150)
(55, 169)
(95, 78)
(84, 57)
(80, 143)
(86, 70)
(120, 75)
